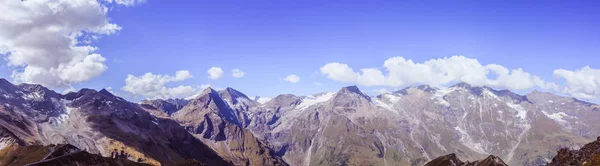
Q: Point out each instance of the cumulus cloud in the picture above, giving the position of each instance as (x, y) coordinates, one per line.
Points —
(237, 73)
(582, 83)
(204, 86)
(48, 42)
(380, 91)
(199, 92)
(215, 73)
(111, 90)
(400, 72)
(153, 86)
(292, 78)
(126, 2)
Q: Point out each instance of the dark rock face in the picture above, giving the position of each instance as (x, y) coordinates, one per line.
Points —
(589, 154)
(68, 155)
(447, 160)
(489, 161)
(452, 160)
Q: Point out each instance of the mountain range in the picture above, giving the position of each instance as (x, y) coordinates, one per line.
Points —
(411, 126)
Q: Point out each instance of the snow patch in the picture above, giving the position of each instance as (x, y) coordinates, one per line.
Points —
(437, 139)
(469, 142)
(242, 101)
(443, 91)
(33, 96)
(312, 100)
(490, 94)
(558, 116)
(439, 94)
(521, 113)
(550, 101)
(392, 98)
(380, 103)
(262, 100)
(5, 141)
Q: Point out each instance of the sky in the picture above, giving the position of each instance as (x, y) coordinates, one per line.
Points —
(161, 49)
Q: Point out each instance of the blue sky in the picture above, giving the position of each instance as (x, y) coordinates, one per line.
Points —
(269, 40)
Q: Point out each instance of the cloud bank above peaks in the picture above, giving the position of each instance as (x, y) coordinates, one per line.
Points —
(153, 86)
(48, 42)
(583, 83)
(401, 72)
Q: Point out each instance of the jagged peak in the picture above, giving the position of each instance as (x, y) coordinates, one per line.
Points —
(32, 87)
(86, 90)
(403, 91)
(285, 99)
(232, 93)
(80, 93)
(285, 96)
(206, 91)
(106, 92)
(352, 90)
(469, 86)
(427, 88)
(7, 86)
(4, 81)
(537, 92)
(462, 85)
(37, 89)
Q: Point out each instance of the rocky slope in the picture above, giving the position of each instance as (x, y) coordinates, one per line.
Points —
(452, 160)
(57, 155)
(166, 107)
(588, 155)
(95, 121)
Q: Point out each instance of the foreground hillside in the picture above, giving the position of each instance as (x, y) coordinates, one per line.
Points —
(58, 155)
(588, 155)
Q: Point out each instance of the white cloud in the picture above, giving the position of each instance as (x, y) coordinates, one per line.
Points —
(126, 2)
(583, 83)
(204, 86)
(292, 78)
(153, 86)
(199, 92)
(237, 73)
(68, 90)
(400, 72)
(215, 73)
(48, 42)
(380, 91)
(111, 90)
